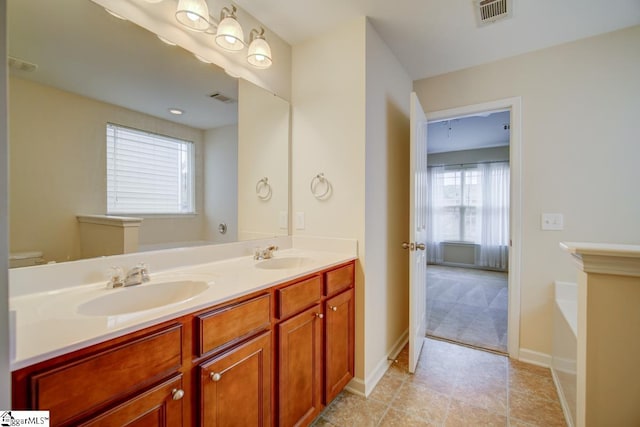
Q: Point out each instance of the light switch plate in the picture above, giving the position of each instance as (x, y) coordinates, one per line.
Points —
(299, 220)
(552, 221)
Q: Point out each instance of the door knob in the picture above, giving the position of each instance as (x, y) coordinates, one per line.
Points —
(420, 246)
(407, 245)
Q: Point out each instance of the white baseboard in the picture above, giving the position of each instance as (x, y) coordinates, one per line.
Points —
(364, 388)
(563, 401)
(534, 357)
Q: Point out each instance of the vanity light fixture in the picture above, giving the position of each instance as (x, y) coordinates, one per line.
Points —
(193, 14)
(229, 35)
(176, 111)
(259, 54)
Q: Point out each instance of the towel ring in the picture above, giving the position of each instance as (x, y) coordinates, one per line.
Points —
(317, 182)
(263, 189)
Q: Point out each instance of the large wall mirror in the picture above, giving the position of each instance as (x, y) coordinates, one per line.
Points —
(75, 69)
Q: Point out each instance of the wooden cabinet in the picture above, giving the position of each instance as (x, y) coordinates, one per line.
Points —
(160, 406)
(300, 368)
(274, 357)
(339, 343)
(235, 388)
(316, 346)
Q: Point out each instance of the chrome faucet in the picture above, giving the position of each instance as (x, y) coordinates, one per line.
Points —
(137, 275)
(265, 253)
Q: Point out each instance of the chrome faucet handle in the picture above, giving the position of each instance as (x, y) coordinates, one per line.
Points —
(268, 251)
(116, 277)
(137, 275)
(144, 271)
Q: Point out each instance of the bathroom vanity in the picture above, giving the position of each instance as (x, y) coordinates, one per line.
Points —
(274, 355)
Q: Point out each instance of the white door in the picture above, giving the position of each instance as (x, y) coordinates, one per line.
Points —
(417, 232)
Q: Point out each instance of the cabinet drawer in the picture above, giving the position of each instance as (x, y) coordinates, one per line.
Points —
(297, 297)
(86, 385)
(223, 327)
(339, 279)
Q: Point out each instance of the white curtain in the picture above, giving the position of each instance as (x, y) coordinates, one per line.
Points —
(494, 221)
(485, 210)
(435, 182)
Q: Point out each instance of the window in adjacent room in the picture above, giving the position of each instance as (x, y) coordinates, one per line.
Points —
(148, 173)
(460, 205)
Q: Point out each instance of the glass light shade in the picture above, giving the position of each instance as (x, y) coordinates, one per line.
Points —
(259, 54)
(193, 14)
(229, 35)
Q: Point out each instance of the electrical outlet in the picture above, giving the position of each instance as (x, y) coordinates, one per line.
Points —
(552, 221)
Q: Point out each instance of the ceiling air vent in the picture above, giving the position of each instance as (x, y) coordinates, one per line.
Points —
(489, 11)
(222, 98)
(21, 64)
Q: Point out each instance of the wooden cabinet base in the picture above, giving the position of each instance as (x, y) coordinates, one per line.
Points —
(235, 388)
(160, 406)
(272, 357)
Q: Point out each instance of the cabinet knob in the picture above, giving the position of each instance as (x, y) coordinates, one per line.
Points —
(215, 376)
(177, 394)
(319, 315)
(333, 308)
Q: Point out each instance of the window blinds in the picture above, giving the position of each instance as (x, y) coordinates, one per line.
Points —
(148, 173)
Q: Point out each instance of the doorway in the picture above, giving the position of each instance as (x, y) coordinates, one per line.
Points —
(458, 274)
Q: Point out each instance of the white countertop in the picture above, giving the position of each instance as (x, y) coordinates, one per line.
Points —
(605, 258)
(603, 249)
(47, 324)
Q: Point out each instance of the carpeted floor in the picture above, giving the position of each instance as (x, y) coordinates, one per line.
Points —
(467, 306)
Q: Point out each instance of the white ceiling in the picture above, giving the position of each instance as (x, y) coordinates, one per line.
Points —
(469, 133)
(431, 37)
(80, 48)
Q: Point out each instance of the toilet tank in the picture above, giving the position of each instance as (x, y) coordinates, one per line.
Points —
(25, 259)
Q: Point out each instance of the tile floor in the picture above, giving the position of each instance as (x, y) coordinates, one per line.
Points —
(453, 386)
(468, 306)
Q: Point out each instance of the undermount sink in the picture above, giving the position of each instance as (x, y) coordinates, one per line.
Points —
(142, 297)
(283, 263)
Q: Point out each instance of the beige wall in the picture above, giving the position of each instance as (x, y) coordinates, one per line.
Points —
(58, 169)
(221, 183)
(579, 152)
(328, 135)
(350, 122)
(386, 201)
(263, 151)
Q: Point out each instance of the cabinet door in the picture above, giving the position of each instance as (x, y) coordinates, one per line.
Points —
(156, 407)
(300, 368)
(339, 343)
(235, 387)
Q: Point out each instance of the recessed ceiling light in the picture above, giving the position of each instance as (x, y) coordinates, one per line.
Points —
(163, 40)
(115, 14)
(176, 111)
(202, 59)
